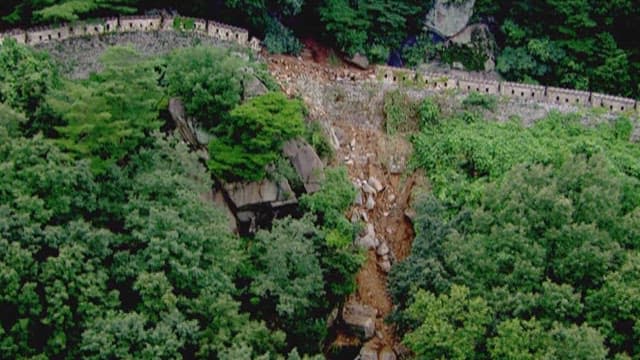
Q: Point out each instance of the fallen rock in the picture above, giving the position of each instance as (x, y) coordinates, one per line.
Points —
(306, 162)
(375, 183)
(360, 61)
(366, 242)
(371, 203)
(385, 266)
(358, 200)
(383, 249)
(387, 354)
(368, 188)
(368, 353)
(360, 319)
(410, 214)
(447, 17)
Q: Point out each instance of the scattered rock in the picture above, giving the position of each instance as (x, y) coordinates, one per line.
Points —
(371, 203)
(391, 198)
(368, 188)
(368, 353)
(383, 249)
(360, 319)
(457, 65)
(387, 354)
(375, 183)
(306, 162)
(358, 200)
(364, 216)
(410, 214)
(366, 242)
(385, 265)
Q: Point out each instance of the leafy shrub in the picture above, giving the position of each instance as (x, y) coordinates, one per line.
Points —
(315, 136)
(378, 54)
(400, 112)
(485, 101)
(429, 112)
(280, 40)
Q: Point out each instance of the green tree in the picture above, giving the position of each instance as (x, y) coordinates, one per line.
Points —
(26, 78)
(208, 80)
(448, 326)
(251, 137)
(112, 114)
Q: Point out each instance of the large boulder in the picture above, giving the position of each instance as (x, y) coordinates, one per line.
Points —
(306, 162)
(252, 87)
(360, 61)
(447, 17)
(360, 319)
(246, 195)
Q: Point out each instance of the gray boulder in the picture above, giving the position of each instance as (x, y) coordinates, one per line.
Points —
(252, 87)
(360, 319)
(448, 18)
(306, 162)
(360, 61)
(244, 195)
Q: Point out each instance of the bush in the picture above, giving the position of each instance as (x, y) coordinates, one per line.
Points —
(429, 112)
(400, 112)
(281, 40)
(476, 99)
(378, 54)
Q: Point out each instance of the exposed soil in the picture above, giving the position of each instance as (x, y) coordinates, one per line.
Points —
(364, 149)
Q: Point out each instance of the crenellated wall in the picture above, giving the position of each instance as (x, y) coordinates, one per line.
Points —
(140, 23)
(385, 74)
(527, 92)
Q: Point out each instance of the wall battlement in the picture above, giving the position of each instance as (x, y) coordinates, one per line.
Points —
(138, 23)
(528, 92)
(385, 74)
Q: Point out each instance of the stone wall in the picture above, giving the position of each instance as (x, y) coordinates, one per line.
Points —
(537, 93)
(40, 35)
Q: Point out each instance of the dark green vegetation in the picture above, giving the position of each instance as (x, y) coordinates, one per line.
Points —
(581, 44)
(528, 246)
(107, 249)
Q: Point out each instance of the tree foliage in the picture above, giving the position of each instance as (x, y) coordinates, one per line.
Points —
(252, 135)
(539, 227)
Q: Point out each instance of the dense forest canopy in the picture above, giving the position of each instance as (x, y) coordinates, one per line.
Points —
(527, 246)
(107, 249)
(581, 44)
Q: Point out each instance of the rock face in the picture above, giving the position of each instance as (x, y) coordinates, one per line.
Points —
(218, 199)
(244, 195)
(185, 126)
(252, 87)
(306, 162)
(448, 18)
(360, 319)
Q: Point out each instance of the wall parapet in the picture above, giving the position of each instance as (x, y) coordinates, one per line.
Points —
(527, 92)
(142, 23)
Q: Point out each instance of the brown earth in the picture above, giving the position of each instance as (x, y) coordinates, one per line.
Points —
(367, 158)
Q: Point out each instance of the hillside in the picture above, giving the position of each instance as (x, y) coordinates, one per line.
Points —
(174, 187)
